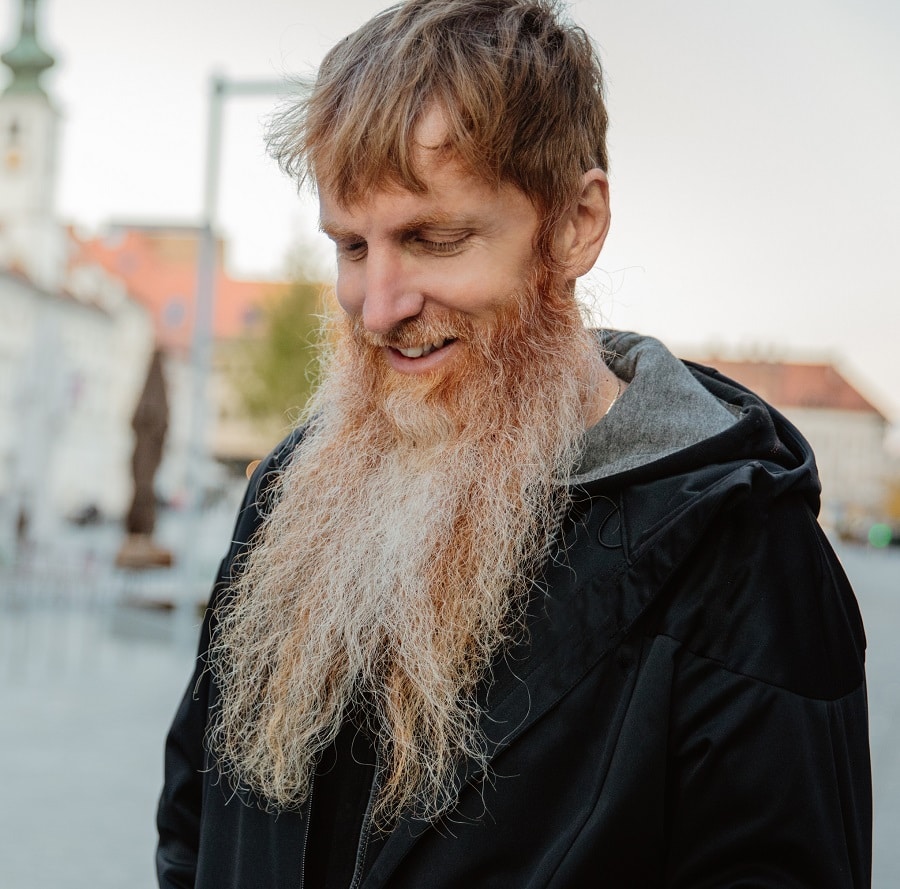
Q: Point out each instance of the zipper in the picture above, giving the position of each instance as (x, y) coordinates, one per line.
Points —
(312, 782)
(365, 831)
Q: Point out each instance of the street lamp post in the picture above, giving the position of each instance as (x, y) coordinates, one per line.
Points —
(204, 306)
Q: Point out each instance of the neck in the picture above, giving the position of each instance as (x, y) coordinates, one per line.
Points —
(601, 389)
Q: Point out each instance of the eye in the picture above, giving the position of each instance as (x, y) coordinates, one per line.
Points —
(444, 248)
(351, 250)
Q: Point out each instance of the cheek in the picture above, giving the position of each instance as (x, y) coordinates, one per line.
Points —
(487, 297)
(474, 288)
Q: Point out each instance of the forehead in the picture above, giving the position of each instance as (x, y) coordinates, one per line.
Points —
(449, 186)
(453, 194)
(431, 133)
(452, 197)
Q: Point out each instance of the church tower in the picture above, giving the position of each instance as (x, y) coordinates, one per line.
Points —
(31, 240)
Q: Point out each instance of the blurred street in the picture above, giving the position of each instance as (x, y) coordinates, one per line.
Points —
(89, 684)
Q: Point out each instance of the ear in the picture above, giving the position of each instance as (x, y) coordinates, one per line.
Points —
(583, 229)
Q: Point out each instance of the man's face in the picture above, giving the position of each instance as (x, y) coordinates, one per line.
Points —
(419, 273)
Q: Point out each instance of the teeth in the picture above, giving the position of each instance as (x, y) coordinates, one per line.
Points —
(419, 351)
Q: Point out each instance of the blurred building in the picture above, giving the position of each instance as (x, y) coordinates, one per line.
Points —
(157, 263)
(30, 239)
(846, 430)
(79, 318)
(73, 345)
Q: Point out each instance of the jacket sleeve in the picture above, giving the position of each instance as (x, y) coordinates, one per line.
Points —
(180, 806)
(178, 813)
(768, 788)
(769, 781)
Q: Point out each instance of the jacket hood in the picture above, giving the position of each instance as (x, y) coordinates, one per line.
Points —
(679, 418)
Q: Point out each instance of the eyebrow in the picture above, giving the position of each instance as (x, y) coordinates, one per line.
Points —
(338, 232)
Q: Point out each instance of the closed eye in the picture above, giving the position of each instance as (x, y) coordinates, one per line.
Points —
(352, 250)
(445, 248)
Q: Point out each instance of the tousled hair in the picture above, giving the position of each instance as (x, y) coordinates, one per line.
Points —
(520, 90)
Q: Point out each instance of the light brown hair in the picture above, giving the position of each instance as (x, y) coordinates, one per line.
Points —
(520, 88)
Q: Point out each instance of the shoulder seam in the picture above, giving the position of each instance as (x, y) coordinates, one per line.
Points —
(758, 679)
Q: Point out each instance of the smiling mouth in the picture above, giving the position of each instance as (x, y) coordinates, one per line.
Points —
(427, 349)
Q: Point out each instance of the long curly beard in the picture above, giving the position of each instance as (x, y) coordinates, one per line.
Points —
(397, 558)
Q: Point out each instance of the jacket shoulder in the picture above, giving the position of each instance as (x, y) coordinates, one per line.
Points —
(258, 499)
(747, 578)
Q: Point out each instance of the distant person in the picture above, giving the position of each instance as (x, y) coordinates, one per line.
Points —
(520, 604)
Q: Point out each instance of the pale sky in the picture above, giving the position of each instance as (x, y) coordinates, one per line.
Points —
(754, 151)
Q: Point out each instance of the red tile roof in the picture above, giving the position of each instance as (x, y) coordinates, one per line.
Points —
(158, 265)
(787, 384)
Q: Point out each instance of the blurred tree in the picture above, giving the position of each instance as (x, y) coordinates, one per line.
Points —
(276, 372)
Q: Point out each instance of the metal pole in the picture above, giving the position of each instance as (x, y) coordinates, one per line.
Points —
(201, 344)
(201, 336)
(204, 313)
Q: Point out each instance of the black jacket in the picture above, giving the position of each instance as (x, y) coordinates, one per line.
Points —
(689, 709)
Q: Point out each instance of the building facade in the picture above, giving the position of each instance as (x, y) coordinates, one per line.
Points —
(74, 347)
(157, 263)
(846, 430)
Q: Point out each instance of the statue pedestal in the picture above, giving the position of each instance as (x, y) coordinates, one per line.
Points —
(138, 551)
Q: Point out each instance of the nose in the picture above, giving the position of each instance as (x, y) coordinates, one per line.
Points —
(391, 293)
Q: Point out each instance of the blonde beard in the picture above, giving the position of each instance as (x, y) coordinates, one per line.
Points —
(398, 556)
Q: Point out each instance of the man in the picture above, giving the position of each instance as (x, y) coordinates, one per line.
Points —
(520, 605)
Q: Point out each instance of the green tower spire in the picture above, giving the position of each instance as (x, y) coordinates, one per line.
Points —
(27, 59)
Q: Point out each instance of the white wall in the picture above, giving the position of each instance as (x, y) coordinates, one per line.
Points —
(70, 375)
(852, 458)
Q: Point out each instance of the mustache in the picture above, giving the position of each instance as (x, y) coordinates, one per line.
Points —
(423, 329)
